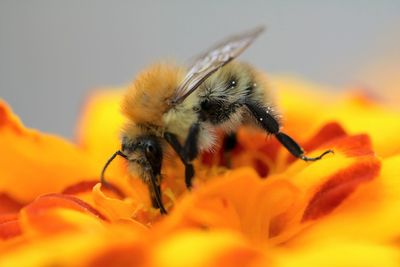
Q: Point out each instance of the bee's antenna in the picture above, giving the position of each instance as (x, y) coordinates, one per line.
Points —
(117, 153)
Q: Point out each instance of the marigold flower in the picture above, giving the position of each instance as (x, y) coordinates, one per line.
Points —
(256, 206)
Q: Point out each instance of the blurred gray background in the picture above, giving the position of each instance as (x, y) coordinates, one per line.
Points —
(53, 52)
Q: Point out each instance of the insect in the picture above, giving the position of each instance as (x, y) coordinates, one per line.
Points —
(168, 105)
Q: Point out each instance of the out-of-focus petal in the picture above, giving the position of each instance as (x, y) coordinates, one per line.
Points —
(134, 252)
(335, 252)
(8, 204)
(34, 163)
(202, 248)
(99, 128)
(355, 111)
(116, 246)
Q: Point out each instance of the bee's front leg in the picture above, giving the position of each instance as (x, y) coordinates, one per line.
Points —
(155, 194)
(188, 152)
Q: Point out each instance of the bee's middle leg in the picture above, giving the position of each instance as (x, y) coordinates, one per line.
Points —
(188, 152)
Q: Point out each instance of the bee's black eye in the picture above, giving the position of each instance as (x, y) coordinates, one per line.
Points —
(150, 149)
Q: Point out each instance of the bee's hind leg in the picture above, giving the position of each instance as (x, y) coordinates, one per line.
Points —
(188, 152)
(271, 125)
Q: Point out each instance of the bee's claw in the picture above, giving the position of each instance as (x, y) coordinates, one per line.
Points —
(302, 157)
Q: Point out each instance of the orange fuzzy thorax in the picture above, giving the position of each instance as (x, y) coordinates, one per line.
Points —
(146, 98)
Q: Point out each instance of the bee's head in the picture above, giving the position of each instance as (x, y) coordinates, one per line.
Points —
(144, 151)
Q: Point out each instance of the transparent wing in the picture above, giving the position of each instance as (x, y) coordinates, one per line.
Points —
(209, 62)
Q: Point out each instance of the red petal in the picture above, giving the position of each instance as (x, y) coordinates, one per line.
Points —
(122, 255)
(261, 168)
(339, 186)
(328, 133)
(42, 216)
(8, 204)
(87, 186)
(271, 148)
(9, 226)
(353, 146)
(51, 201)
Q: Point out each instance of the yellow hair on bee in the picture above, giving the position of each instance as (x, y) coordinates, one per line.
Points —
(132, 130)
(146, 99)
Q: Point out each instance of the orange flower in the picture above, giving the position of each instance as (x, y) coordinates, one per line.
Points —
(256, 206)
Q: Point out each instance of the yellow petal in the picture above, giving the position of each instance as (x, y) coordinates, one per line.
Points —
(339, 252)
(200, 248)
(307, 106)
(99, 129)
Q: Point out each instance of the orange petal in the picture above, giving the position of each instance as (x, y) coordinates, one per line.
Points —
(37, 163)
(240, 201)
(114, 208)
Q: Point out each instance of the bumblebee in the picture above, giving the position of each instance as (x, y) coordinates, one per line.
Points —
(169, 105)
